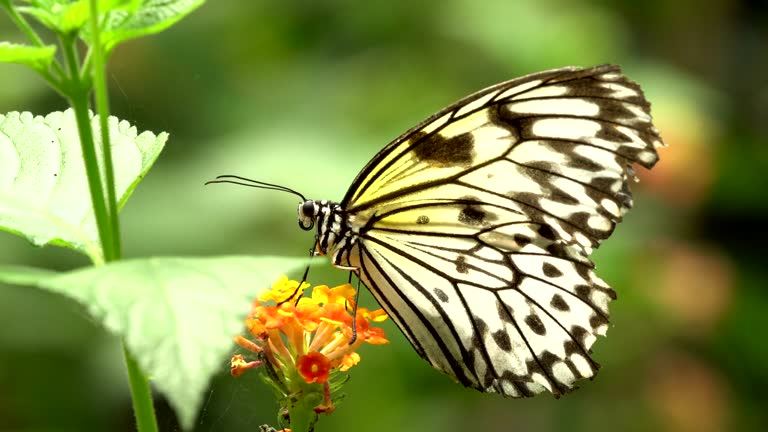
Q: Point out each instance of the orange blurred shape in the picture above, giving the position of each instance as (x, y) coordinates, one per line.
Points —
(684, 175)
(687, 394)
(694, 286)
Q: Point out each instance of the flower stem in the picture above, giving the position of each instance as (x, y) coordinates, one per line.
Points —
(302, 412)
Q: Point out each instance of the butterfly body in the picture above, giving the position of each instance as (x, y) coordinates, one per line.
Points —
(473, 229)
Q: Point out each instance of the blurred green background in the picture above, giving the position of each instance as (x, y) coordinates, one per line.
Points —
(303, 93)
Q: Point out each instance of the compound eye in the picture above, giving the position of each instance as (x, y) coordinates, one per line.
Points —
(307, 215)
(308, 209)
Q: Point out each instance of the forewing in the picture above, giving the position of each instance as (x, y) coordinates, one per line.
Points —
(555, 146)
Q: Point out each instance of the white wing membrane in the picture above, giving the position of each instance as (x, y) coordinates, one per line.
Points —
(473, 229)
(512, 318)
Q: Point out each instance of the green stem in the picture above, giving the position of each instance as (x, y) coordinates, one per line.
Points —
(143, 410)
(53, 82)
(98, 67)
(302, 403)
(302, 415)
(85, 67)
(79, 101)
(94, 66)
(68, 46)
(78, 96)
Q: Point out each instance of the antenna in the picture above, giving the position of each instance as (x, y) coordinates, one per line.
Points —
(242, 181)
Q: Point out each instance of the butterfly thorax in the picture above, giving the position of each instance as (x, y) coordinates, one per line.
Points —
(332, 226)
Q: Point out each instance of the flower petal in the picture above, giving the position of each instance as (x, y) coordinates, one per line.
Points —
(314, 367)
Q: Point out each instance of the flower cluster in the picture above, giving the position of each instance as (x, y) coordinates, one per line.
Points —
(307, 341)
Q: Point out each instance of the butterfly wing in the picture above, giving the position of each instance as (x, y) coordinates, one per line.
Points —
(474, 228)
(498, 315)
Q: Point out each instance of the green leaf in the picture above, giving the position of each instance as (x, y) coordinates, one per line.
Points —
(47, 4)
(59, 16)
(74, 16)
(176, 315)
(68, 16)
(38, 58)
(46, 16)
(136, 20)
(43, 187)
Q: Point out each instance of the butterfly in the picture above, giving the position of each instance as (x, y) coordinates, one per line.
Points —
(473, 229)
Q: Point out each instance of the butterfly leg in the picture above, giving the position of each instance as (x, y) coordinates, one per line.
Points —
(352, 270)
(312, 253)
(354, 311)
(339, 256)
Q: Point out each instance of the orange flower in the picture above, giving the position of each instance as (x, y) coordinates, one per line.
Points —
(376, 316)
(307, 341)
(348, 361)
(283, 290)
(238, 365)
(337, 314)
(342, 294)
(314, 367)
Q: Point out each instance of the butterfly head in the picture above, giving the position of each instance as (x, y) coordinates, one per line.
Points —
(329, 219)
(308, 211)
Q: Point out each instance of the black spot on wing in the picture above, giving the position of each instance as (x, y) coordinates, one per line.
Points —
(482, 328)
(441, 295)
(504, 314)
(471, 216)
(558, 249)
(499, 118)
(550, 270)
(577, 161)
(558, 302)
(547, 232)
(422, 220)
(502, 340)
(534, 166)
(558, 195)
(534, 323)
(583, 291)
(474, 215)
(610, 292)
(597, 321)
(522, 240)
(461, 264)
(436, 149)
(610, 132)
(580, 334)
